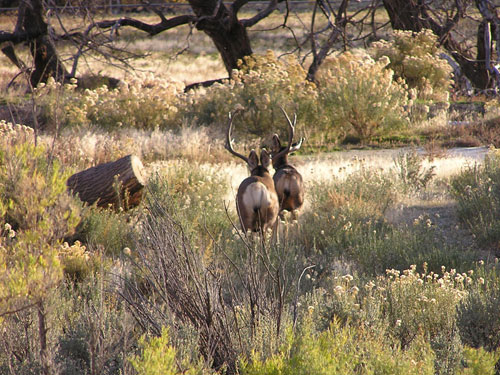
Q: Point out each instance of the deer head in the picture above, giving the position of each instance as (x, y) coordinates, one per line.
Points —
(287, 180)
(256, 200)
(279, 152)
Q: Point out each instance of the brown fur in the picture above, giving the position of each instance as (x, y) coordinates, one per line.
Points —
(287, 180)
(257, 201)
(290, 188)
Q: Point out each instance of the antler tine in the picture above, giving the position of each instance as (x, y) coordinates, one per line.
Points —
(296, 146)
(229, 141)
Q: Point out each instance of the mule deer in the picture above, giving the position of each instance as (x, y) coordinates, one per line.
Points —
(287, 180)
(256, 200)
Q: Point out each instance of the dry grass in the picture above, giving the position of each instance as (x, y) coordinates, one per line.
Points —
(340, 165)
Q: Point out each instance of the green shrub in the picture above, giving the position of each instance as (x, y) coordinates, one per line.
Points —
(106, 231)
(59, 105)
(195, 194)
(479, 362)
(412, 176)
(356, 93)
(400, 247)
(477, 191)
(341, 350)
(341, 211)
(158, 357)
(403, 307)
(426, 303)
(95, 332)
(79, 263)
(346, 221)
(35, 214)
(414, 57)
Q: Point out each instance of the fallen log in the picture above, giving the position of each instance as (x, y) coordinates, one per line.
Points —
(115, 184)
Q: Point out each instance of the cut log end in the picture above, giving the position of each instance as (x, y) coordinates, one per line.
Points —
(115, 184)
(138, 169)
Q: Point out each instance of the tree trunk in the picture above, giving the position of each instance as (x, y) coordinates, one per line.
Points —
(31, 22)
(47, 62)
(222, 26)
(114, 184)
(404, 14)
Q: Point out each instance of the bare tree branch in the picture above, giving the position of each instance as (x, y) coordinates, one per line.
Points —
(237, 5)
(149, 28)
(271, 7)
(336, 31)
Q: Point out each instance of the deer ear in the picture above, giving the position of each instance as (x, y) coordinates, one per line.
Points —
(253, 160)
(276, 144)
(265, 159)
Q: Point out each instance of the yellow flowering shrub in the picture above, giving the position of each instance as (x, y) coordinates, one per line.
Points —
(143, 103)
(476, 192)
(258, 90)
(423, 302)
(29, 269)
(78, 262)
(414, 57)
(33, 187)
(360, 94)
(59, 104)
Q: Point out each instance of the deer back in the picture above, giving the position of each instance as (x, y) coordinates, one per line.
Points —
(289, 188)
(287, 180)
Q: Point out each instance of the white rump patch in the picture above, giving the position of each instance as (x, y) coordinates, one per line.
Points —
(256, 196)
(284, 184)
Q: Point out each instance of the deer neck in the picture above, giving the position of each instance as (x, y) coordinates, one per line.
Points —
(281, 163)
(260, 171)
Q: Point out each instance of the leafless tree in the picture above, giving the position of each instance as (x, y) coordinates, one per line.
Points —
(335, 25)
(347, 24)
(216, 19)
(220, 21)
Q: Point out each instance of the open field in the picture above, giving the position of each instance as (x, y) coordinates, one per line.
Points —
(390, 267)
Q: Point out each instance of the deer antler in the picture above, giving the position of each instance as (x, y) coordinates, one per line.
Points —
(291, 131)
(229, 141)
